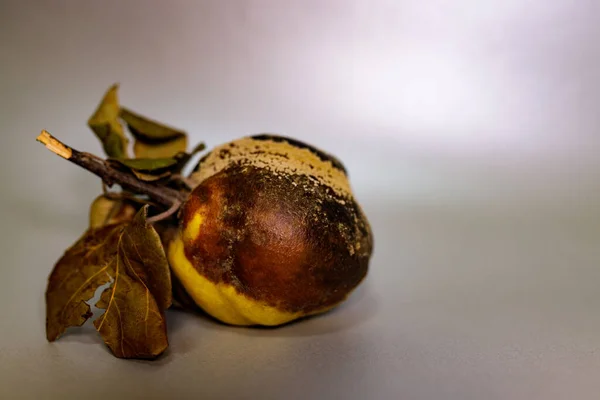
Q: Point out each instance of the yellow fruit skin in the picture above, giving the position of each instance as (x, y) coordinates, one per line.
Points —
(222, 301)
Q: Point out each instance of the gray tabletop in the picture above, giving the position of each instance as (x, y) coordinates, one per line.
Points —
(471, 136)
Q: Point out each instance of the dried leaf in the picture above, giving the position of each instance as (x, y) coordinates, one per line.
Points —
(106, 125)
(107, 211)
(154, 169)
(146, 255)
(168, 230)
(133, 326)
(148, 130)
(151, 177)
(153, 139)
(131, 255)
(158, 150)
(147, 164)
(75, 278)
(149, 169)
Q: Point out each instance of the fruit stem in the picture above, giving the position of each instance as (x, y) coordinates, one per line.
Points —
(165, 196)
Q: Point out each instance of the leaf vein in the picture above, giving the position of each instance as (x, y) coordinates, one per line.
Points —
(81, 288)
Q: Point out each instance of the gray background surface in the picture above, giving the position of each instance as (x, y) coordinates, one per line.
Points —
(471, 133)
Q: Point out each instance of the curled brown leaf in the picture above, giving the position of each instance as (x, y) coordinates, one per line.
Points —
(76, 276)
(146, 256)
(130, 255)
(133, 325)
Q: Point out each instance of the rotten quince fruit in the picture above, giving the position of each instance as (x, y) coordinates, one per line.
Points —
(271, 233)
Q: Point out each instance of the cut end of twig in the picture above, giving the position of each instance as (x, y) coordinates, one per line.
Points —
(54, 145)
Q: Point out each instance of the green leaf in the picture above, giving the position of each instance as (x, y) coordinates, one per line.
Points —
(106, 125)
(132, 256)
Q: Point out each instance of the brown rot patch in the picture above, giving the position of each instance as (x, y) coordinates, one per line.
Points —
(282, 239)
